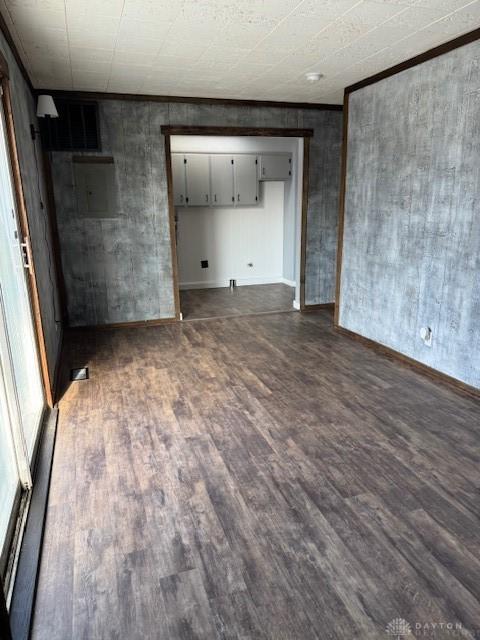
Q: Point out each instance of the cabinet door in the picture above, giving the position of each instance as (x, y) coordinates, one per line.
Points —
(221, 168)
(275, 167)
(178, 179)
(198, 179)
(246, 183)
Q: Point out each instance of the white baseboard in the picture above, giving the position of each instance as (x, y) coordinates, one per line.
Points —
(214, 284)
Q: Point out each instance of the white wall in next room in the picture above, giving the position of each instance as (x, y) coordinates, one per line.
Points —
(230, 239)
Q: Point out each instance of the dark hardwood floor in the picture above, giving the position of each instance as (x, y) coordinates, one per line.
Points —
(257, 478)
(222, 302)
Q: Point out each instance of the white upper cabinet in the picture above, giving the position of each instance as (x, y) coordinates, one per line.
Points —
(178, 179)
(246, 181)
(221, 167)
(275, 167)
(222, 179)
(198, 179)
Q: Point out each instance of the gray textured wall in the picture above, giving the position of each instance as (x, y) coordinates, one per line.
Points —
(412, 216)
(322, 216)
(120, 270)
(24, 108)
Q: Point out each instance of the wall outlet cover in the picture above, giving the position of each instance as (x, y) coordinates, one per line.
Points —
(426, 335)
(204, 264)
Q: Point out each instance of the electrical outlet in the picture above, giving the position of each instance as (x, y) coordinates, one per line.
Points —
(204, 264)
(426, 335)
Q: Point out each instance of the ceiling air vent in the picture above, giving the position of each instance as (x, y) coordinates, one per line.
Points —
(75, 129)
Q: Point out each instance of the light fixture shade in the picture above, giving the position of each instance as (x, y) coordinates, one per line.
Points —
(46, 107)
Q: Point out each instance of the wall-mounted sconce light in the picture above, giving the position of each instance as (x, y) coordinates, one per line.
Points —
(46, 107)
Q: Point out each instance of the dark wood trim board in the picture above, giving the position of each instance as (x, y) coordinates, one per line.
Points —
(436, 375)
(317, 307)
(8, 37)
(95, 95)
(172, 226)
(341, 212)
(4, 70)
(267, 132)
(304, 221)
(23, 597)
(442, 49)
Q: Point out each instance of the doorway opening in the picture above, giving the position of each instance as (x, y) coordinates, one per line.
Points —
(237, 207)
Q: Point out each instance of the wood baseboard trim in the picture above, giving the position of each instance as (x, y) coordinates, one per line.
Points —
(129, 325)
(318, 307)
(24, 591)
(437, 376)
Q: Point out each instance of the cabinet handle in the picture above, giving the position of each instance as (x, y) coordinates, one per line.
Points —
(263, 171)
(206, 197)
(181, 198)
(215, 197)
(238, 197)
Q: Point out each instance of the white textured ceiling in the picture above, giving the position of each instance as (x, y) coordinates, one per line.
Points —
(251, 49)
